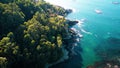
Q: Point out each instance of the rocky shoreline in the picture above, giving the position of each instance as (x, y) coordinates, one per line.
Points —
(70, 42)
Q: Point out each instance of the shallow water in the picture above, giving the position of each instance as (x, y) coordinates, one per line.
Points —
(101, 31)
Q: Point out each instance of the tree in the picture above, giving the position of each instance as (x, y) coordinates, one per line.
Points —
(31, 33)
(6, 1)
(3, 62)
(28, 8)
(11, 17)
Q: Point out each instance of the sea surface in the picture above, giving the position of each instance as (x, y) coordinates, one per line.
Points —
(101, 31)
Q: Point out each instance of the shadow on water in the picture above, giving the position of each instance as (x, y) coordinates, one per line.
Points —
(109, 53)
(73, 62)
(110, 48)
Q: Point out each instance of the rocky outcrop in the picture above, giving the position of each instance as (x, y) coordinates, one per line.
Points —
(69, 44)
(69, 11)
(70, 40)
(111, 63)
(71, 23)
(62, 59)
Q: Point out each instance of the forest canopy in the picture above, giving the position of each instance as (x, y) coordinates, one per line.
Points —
(31, 33)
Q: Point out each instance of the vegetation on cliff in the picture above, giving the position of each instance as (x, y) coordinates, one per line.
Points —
(31, 33)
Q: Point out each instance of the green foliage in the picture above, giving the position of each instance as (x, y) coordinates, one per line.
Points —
(6, 1)
(8, 46)
(3, 62)
(11, 17)
(28, 8)
(59, 41)
(30, 33)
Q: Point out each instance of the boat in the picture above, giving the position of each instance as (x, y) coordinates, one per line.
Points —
(116, 2)
(98, 11)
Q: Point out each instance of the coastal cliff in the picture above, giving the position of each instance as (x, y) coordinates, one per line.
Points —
(69, 48)
(34, 34)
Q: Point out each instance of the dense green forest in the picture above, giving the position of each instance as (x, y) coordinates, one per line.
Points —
(31, 33)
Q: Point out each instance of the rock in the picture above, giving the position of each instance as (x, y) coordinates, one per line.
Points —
(114, 40)
(72, 23)
(106, 64)
(69, 11)
(116, 66)
(70, 42)
(62, 59)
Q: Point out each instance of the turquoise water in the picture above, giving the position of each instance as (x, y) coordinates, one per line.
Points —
(101, 32)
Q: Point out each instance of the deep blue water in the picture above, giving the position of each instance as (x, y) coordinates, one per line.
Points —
(101, 32)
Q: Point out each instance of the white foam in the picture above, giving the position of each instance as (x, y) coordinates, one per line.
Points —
(83, 19)
(79, 23)
(73, 29)
(85, 31)
(80, 35)
(74, 10)
(77, 39)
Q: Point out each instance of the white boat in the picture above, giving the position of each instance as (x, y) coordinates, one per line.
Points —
(98, 11)
(116, 2)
